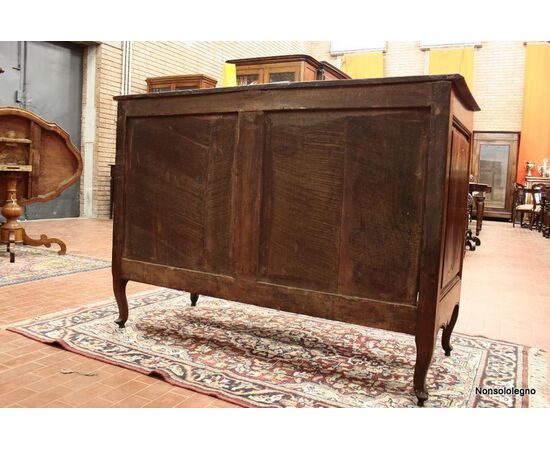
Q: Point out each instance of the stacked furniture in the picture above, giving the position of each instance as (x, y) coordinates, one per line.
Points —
(341, 199)
(286, 68)
(180, 82)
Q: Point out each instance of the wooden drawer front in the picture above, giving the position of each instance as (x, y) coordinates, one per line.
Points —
(342, 201)
(178, 179)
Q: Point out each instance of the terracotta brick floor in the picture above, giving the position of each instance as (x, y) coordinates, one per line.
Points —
(506, 295)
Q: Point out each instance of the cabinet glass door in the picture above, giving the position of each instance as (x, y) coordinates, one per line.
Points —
(280, 77)
(493, 170)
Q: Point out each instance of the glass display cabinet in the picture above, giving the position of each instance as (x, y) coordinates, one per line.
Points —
(494, 162)
(286, 68)
(179, 82)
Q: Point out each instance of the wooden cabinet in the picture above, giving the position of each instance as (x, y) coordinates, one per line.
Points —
(179, 82)
(494, 162)
(277, 69)
(339, 199)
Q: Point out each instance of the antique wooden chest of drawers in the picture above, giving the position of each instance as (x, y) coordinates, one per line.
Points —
(339, 199)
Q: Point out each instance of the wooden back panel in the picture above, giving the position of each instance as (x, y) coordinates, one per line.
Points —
(326, 198)
(179, 191)
(340, 198)
(342, 201)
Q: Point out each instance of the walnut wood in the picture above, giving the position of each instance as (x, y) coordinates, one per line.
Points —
(47, 148)
(37, 163)
(304, 67)
(176, 82)
(339, 199)
(447, 331)
(46, 242)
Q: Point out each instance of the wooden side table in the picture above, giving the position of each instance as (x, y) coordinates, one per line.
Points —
(37, 162)
(479, 198)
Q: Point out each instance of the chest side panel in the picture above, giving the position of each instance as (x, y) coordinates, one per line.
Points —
(456, 217)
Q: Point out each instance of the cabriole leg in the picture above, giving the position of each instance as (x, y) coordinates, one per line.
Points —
(194, 299)
(447, 331)
(425, 343)
(119, 288)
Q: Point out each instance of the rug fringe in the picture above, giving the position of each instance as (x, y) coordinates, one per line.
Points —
(538, 379)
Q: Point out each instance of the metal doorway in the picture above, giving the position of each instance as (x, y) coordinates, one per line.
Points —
(46, 78)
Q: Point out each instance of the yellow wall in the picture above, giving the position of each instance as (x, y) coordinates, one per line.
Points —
(363, 65)
(535, 130)
(229, 75)
(457, 60)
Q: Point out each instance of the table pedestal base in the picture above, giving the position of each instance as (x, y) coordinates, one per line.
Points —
(12, 232)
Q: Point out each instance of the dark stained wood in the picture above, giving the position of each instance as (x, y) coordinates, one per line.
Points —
(478, 191)
(339, 199)
(510, 140)
(456, 215)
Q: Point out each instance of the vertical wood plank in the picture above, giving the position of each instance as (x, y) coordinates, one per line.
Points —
(247, 196)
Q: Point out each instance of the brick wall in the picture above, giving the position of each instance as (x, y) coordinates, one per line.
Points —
(498, 77)
(498, 81)
(499, 69)
(150, 59)
(108, 85)
(403, 59)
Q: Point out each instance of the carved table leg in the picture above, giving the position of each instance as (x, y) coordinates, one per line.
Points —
(11, 246)
(119, 288)
(194, 299)
(447, 331)
(11, 232)
(45, 241)
(425, 343)
(480, 209)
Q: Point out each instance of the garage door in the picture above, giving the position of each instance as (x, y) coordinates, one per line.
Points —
(46, 78)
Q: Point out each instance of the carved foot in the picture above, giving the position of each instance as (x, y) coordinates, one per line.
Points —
(447, 331)
(119, 288)
(422, 397)
(45, 241)
(194, 299)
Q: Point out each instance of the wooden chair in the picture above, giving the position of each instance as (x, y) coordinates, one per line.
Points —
(535, 195)
(541, 195)
(545, 212)
(519, 204)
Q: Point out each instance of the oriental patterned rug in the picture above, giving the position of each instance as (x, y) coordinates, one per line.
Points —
(255, 356)
(36, 264)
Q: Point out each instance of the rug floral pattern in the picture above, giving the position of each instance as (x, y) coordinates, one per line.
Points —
(261, 357)
(36, 264)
